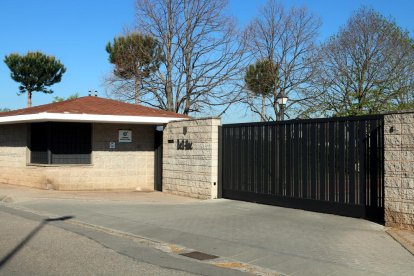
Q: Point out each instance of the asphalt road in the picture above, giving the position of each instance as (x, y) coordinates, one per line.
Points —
(31, 245)
(257, 238)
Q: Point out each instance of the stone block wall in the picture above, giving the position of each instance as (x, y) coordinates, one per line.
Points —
(191, 171)
(399, 170)
(129, 166)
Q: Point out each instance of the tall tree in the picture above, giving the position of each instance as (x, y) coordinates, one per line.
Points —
(286, 37)
(261, 79)
(34, 71)
(135, 57)
(366, 68)
(201, 50)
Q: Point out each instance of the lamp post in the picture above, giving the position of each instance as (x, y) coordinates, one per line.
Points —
(281, 100)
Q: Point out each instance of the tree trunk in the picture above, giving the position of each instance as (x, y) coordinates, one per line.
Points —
(29, 98)
(187, 59)
(262, 112)
(169, 42)
(137, 96)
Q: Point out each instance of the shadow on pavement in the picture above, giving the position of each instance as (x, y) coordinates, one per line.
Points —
(18, 247)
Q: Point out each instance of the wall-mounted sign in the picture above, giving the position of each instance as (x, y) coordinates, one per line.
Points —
(112, 145)
(125, 136)
(184, 144)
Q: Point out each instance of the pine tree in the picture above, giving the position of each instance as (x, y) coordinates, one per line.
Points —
(34, 71)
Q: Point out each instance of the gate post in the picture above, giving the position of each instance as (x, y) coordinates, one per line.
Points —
(191, 158)
(399, 170)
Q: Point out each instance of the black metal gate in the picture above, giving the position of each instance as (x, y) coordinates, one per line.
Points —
(326, 165)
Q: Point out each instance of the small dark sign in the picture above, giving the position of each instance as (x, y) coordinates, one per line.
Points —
(170, 141)
(184, 144)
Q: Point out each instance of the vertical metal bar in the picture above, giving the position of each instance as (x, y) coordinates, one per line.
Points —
(265, 157)
(313, 162)
(237, 161)
(373, 174)
(244, 159)
(362, 161)
(273, 153)
(381, 161)
(304, 154)
(278, 159)
(351, 163)
(288, 170)
(341, 162)
(282, 160)
(231, 158)
(332, 170)
(259, 164)
(255, 154)
(296, 162)
(248, 159)
(322, 161)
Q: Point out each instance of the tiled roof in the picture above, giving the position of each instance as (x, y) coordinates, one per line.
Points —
(95, 106)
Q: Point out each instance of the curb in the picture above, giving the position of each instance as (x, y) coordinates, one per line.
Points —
(407, 244)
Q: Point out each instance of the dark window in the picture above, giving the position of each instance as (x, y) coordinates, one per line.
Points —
(60, 143)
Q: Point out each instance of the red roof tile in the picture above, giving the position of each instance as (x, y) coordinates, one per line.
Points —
(96, 106)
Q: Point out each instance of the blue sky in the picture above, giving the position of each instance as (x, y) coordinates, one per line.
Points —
(77, 31)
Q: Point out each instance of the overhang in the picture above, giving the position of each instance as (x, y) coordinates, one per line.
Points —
(87, 118)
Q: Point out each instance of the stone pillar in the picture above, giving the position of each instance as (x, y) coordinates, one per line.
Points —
(190, 158)
(399, 170)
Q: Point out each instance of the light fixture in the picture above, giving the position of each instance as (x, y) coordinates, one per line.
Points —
(281, 99)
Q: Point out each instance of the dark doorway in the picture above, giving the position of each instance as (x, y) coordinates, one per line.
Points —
(158, 132)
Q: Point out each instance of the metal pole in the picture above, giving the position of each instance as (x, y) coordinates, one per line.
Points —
(282, 112)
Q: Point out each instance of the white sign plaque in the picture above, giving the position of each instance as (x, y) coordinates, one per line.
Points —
(112, 145)
(125, 136)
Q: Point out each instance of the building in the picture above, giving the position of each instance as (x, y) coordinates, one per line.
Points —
(88, 143)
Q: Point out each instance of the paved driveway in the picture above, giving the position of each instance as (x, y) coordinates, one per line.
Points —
(293, 242)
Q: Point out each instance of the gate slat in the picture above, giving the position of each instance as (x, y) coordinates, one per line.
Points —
(272, 166)
(282, 150)
(341, 162)
(351, 163)
(296, 162)
(304, 160)
(314, 161)
(266, 160)
(362, 157)
(373, 163)
(332, 178)
(322, 163)
(288, 183)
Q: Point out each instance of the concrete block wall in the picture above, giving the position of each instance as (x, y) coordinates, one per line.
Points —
(191, 172)
(130, 166)
(399, 170)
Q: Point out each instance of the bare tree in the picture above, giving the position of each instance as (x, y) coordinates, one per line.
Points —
(366, 68)
(287, 39)
(201, 50)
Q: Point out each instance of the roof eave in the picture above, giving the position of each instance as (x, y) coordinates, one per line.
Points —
(87, 118)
